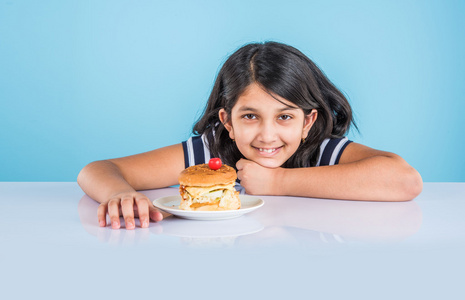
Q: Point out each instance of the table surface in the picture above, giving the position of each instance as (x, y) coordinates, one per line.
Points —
(51, 244)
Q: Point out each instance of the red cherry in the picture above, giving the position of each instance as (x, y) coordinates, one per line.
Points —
(214, 163)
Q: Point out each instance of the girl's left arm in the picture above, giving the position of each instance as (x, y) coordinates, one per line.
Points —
(363, 173)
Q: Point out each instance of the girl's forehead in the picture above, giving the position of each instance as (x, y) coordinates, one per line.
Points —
(256, 96)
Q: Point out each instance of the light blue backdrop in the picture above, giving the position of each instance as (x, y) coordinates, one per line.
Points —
(88, 80)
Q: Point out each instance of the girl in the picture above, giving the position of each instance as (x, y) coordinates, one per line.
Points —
(274, 116)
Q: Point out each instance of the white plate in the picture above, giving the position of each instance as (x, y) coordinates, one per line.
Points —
(170, 204)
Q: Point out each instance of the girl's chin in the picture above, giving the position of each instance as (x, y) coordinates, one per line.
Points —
(269, 163)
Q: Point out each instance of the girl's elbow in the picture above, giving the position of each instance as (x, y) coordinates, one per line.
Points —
(86, 172)
(412, 185)
(83, 174)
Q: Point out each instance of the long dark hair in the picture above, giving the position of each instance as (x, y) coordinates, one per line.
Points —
(285, 71)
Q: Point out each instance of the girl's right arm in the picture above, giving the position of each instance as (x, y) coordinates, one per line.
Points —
(114, 184)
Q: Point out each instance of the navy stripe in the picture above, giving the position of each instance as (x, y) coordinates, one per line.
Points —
(186, 154)
(340, 152)
(199, 154)
(328, 151)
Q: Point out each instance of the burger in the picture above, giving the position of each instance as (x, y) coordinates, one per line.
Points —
(208, 187)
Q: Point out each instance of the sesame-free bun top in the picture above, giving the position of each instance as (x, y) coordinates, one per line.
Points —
(202, 175)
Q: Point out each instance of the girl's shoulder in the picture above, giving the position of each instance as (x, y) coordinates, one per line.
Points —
(331, 150)
(196, 151)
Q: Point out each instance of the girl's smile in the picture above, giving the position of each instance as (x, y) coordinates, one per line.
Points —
(269, 151)
(267, 128)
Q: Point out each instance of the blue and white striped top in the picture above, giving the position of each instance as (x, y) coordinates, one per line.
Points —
(196, 151)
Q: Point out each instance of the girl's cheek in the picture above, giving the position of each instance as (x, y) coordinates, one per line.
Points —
(246, 131)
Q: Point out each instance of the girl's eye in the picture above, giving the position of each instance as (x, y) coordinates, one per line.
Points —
(285, 117)
(249, 116)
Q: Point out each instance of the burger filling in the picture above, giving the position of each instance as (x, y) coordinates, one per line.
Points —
(222, 196)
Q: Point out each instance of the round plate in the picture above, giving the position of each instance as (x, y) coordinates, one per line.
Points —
(170, 204)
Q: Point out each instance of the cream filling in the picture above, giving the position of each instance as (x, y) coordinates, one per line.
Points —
(197, 191)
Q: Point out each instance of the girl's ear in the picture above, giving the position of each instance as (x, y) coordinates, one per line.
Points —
(224, 118)
(308, 122)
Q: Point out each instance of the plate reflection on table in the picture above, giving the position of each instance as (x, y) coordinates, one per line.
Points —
(208, 233)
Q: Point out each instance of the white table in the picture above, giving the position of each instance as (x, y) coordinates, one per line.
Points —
(52, 246)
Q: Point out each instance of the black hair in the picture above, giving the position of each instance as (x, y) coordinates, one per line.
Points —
(284, 71)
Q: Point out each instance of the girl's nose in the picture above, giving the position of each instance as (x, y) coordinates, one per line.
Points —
(267, 133)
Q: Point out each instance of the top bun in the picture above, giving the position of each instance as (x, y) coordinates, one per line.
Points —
(202, 175)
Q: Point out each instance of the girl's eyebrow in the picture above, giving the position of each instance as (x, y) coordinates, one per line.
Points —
(248, 108)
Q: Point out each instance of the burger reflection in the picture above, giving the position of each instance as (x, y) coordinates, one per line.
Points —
(282, 221)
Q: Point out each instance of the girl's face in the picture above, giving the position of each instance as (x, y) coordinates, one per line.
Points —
(267, 131)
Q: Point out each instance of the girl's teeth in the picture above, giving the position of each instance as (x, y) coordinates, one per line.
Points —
(267, 150)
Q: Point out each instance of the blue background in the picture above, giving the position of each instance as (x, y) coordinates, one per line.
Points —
(88, 80)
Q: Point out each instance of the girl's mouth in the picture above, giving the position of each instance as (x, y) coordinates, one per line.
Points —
(267, 151)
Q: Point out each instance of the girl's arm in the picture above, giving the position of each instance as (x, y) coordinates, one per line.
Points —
(362, 174)
(114, 184)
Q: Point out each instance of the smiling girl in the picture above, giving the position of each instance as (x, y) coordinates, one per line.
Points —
(278, 119)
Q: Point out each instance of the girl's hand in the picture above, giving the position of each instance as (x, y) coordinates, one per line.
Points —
(258, 180)
(128, 204)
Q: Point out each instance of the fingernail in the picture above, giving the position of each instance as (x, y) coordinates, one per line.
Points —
(102, 223)
(145, 223)
(114, 224)
(130, 225)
